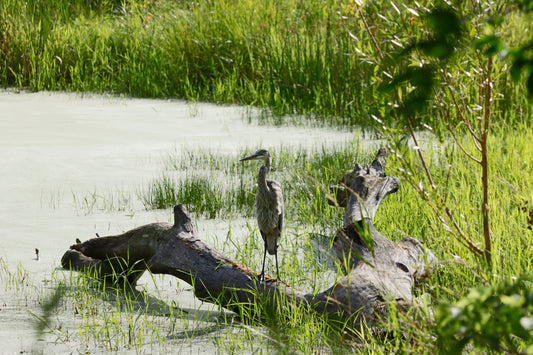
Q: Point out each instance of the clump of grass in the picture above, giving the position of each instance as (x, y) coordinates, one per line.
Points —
(161, 194)
(108, 202)
(19, 280)
(200, 194)
(206, 183)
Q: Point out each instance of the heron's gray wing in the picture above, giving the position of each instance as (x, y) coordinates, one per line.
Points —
(275, 188)
(280, 223)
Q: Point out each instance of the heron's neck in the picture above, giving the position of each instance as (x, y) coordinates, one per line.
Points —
(261, 178)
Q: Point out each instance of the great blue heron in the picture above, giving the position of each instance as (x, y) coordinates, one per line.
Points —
(269, 208)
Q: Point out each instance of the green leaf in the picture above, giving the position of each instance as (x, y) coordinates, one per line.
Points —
(516, 70)
(525, 5)
(365, 234)
(526, 323)
(489, 45)
(445, 22)
(530, 85)
(513, 300)
(438, 48)
(422, 77)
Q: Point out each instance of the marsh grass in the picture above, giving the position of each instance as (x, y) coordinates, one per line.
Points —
(206, 183)
(94, 201)
(245, 52)
(19, 280)
(306, 260)
(313, 61)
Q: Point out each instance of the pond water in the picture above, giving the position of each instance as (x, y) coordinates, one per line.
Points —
(55, 146)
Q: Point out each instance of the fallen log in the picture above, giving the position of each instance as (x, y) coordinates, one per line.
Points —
(175, 249)
(378, 270)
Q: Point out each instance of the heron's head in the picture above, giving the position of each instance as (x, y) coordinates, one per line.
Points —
(261, 154)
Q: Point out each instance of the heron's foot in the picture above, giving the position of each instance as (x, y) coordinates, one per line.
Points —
(261, 277)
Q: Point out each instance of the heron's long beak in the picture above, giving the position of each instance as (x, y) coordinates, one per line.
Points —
(252, 157)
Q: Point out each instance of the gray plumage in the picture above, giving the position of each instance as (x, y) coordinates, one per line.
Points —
(269, 208)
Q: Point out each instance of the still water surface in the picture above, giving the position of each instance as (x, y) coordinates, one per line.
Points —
(54, 146)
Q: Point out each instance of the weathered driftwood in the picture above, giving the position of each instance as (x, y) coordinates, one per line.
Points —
(385, 267)
(176, 249)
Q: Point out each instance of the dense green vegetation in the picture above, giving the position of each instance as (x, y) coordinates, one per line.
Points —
(391, 65)
(286, 56)
(321, 59)
(461, 288)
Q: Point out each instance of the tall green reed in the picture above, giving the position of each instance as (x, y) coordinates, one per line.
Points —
(289, 57)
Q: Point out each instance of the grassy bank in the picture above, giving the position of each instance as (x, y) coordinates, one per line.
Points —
(306, 256)
(306, 176)
(286, 56)
(320, 59)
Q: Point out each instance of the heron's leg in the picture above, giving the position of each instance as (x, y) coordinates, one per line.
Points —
(277, 269)
(262, 276)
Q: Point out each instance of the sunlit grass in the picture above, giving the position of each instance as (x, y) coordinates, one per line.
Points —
(312, 61)
(115, 318)
(510, 157)
(244, 52)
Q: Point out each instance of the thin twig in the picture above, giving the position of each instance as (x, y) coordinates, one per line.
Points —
(422, 160)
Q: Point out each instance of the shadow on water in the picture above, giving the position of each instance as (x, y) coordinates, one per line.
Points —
(122, 296)
(129, 299)
(188, 334)
(94, 299)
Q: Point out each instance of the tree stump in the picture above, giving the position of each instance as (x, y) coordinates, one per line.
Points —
(378, 270)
